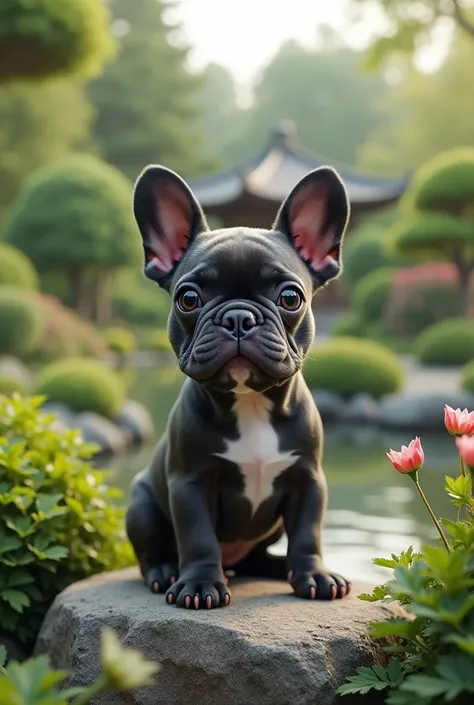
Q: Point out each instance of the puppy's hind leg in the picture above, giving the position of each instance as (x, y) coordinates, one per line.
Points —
(152, 537)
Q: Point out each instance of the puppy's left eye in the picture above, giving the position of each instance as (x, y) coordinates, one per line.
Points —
(290, 300)
(188, 300)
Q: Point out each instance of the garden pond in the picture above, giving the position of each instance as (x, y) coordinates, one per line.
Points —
(372, 511)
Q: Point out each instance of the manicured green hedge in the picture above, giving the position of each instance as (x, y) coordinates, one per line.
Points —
(447, 343)
(467, 377)
(372, 293)
(351, 366)
(16, 269)
(21, 323)
(120, 340)
(83, 385)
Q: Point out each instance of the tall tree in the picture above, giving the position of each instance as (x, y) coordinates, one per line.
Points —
(410, 25)
(323, 91)
(145, 100)
(38, 124)
(423, 114)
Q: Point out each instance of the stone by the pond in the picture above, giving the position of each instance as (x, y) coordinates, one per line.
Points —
(421, 412)
(360, 409)
(267, 647)
(330, 404)
(64, 417)
(99, 430)
(136, 420)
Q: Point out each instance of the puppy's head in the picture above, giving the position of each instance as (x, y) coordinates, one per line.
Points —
(241, 315)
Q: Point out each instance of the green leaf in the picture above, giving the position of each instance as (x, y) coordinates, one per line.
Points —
(459, 489)
(395, 626)
(374, 678)
(3, 655)
(466, 644)
(385, 562)
(379, 593)
(45, 502)
(454, 676)
(9, 542)
(19, 578)
(55, 553)
(16, 599)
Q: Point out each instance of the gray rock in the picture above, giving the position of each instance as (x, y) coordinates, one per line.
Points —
(15, 369)
(64, 416)
(267, 647)
(97, 429)
(136, 420)
(360, 409)
(330, 404)
(421, 412)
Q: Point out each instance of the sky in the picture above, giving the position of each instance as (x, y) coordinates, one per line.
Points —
(243, 35)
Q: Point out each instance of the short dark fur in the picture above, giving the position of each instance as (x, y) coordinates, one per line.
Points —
(190, 500)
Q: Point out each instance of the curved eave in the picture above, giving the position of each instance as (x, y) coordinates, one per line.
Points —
(272, 176)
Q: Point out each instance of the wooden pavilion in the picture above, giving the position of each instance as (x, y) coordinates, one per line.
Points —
(250, 194)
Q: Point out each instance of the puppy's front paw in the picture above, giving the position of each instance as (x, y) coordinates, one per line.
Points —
(198, 594)
(319, 586)
(160, 577)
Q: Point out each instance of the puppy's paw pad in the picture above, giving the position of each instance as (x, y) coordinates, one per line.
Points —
(198, 595)
(160, 577)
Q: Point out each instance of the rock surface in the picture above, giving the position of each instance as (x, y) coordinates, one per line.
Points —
(267, 648)
(135, 419)
(97, 429)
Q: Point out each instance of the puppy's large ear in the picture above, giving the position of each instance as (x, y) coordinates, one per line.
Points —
(169, 217)
(314, 218)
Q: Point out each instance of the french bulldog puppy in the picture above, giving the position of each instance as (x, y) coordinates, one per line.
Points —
(240, 462)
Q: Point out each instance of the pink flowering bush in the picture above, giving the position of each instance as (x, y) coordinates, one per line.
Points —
(431, 649)
(421, 296)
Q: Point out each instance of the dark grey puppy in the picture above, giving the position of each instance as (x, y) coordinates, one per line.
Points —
(240, 462)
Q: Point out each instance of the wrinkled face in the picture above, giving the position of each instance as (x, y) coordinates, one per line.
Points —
(241, 314)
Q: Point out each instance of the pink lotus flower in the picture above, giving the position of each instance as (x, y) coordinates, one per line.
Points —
(409, 459)
(465, 446)
(457, 422)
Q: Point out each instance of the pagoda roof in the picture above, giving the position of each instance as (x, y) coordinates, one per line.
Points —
(271, 175)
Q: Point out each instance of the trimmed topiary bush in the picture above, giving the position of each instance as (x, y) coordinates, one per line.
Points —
(448, 343)
(40, 38)
(58, 520)
(16, 269)
(363, 254)
(350, 324)
(8, 385)
(82, 385)
(350, 366)
(372, 293)
(120, 340)
(158, 340)
(467, 377)
(21, 323)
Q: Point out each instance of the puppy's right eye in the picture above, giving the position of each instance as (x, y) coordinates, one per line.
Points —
(188, 300)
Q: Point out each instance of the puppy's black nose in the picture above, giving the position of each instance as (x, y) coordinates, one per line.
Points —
(239, 323)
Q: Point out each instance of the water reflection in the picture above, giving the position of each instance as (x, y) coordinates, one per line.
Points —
(373, 511)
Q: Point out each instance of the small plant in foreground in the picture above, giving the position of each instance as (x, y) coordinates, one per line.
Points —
(432, 647)
(58, 519)
(34, 683)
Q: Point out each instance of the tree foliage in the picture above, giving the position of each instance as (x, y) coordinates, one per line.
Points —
(40, 38)
(410, 25)
(145, 100)
(439, 220)
(324, 91)
(75, 217)
(38, 124)
(423, 114)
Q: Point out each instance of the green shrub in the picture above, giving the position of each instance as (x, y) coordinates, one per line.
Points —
(120, 340)
(351, 366)
(362, 255)
(83, 385)
(372, 292)
(34, 682)
(350, 324)
(467, 377)
(138, 301)
(21, 323)
(8, 385)
(158, 340)
(449, 342)
(16, 269)
(58, 523)
(446, 182)
(39, 39)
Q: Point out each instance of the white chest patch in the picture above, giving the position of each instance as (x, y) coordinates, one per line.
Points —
(256, 452)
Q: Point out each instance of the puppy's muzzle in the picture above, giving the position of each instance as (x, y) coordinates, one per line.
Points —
(238, 323)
